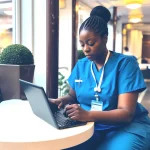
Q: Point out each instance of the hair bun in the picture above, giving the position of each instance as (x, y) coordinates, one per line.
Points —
(102, 12)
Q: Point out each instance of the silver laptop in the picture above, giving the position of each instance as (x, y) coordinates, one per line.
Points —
(45, 110)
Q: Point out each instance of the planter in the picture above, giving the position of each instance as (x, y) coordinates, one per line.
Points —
(9, 80)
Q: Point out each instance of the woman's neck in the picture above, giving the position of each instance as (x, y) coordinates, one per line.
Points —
(100, 62)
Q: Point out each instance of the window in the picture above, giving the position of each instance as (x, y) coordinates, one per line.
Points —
(5, 23)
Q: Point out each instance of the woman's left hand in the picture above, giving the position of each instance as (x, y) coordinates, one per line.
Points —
(75, 112)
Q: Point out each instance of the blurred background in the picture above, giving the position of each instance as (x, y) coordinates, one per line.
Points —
(28, 22)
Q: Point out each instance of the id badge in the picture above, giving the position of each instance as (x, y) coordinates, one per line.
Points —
(96, 105)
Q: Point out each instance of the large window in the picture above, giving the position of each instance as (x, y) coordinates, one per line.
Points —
(5, 23)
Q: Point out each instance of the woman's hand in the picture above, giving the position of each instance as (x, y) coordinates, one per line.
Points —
(58, 102)
(67, 99)
(75, 112)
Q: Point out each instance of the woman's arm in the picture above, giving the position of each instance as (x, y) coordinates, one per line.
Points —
(70, 97)
(67, 99)
(123, 114)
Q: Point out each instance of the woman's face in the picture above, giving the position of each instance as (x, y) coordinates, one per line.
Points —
(93, 46)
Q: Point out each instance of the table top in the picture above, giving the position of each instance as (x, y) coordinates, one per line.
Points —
(144, 66)
(20, 128)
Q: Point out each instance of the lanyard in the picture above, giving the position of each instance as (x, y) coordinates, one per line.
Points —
(97, 87)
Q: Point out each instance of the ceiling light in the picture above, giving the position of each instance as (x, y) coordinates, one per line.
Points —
(135, 16)
(133, 4)
(128, 26)
(124, 31)
(135, 20)
(62, 4)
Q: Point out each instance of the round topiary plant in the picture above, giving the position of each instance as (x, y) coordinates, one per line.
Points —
(80, 54)
(16, 54)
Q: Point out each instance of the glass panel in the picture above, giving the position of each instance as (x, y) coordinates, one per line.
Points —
(5, 23)
(65, 44)
(136, 41)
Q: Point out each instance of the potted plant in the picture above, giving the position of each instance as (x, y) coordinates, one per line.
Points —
(80, 54)
(16, 62)
(63, 87)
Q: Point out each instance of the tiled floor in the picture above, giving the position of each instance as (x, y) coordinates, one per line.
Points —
(146, 99)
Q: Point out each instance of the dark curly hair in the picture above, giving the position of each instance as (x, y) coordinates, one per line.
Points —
(97, 22)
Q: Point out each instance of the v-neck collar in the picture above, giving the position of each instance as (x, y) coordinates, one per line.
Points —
(95, 67)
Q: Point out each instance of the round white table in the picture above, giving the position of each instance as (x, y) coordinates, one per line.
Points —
(20, 129)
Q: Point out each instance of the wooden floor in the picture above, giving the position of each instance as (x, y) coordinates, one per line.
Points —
(146, 99)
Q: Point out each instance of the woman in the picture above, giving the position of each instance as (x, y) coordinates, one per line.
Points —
(107, 85)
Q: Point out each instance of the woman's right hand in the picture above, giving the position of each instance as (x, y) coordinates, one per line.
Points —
(67, 99)
(57, 101)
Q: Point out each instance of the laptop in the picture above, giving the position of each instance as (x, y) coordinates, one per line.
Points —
(45, 110)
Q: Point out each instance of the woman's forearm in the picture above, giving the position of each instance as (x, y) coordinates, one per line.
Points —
(67, 99)
(110, 117)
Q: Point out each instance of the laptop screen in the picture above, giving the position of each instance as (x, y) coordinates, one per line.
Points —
(39, 102)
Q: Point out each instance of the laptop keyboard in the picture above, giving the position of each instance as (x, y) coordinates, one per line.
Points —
(64, 122)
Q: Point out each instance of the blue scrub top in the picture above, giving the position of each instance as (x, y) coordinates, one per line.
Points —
(121, 75)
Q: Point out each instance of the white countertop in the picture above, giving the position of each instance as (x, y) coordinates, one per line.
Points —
(18, 124)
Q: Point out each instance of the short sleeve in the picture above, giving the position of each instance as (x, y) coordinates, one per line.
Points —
(130, 77)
